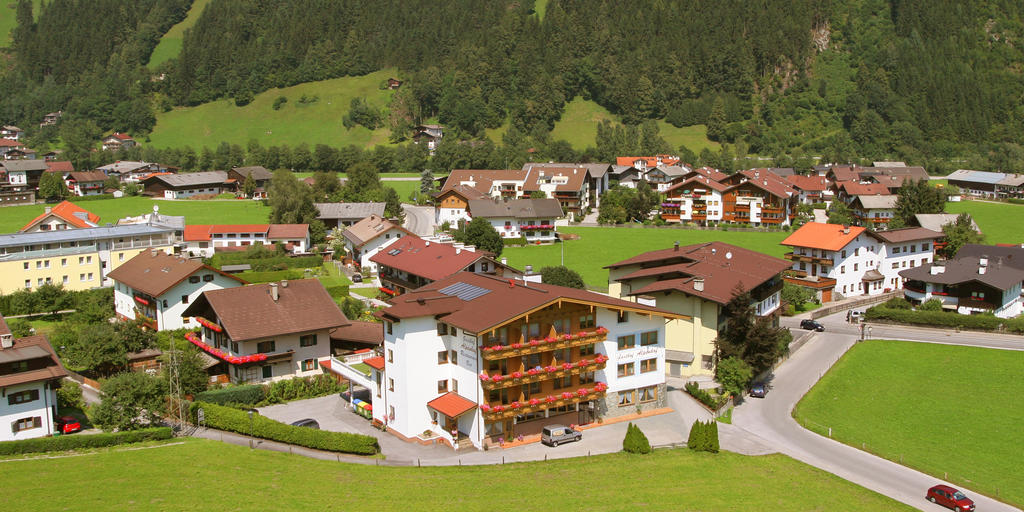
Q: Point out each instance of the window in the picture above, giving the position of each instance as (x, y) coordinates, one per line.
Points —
(268, 371)
(308, 340)
(265, 346)
(924, 247)
(63, 262)
(896, 264)
(649, 338)
(484, 266)
(28, 283)
(623, 317)
(442, 328)
(207, 278)
(64, 280)
(532, 330)
(498, 336)
(844, 253)
(39, 282)
(90, 276)
(442, 357)
(391, 384)
(81, 260)
(587, 321)
(309, 365)
(626, 342)
(81, 277)
(913, 248)
(184, 299)
(563, 382)
(627, 397)
(648, 365)
(532, 388)
(234, 345)
(22, 397)
(842, 269)
(391, 356)
(978, 295)
(27, 424)
(120, 256)
(388, 326)
(193, 279)
(455, 386)
(19, 366)
(442, 386)
(856, 252)
(855, 265)
(25, 265)
(626, 369)
(895, 250)
(454, 357)
(587, 350)
(586, 378)
(532, 361)
(165, 303)
(648, 394)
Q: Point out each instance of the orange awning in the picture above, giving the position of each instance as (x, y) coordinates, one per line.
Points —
(451, 405)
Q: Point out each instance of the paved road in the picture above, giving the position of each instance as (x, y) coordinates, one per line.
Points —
(836, 324)
(419, 219)
(770, 419)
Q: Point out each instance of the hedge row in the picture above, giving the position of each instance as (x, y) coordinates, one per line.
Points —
(240, 395)
(271, 276)
(705, 398)
(61, 443)
(945, 319)
(235, 420)
(96, 197)
(338, 292)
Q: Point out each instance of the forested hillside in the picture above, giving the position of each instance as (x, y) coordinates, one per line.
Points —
(932, 82)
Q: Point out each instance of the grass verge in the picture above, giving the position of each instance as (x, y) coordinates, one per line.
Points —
(940, 409)
(120, 480)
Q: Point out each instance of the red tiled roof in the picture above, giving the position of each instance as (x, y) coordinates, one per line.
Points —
(31, 348)
(425, 259)
(60, 166)
(696, 181)
(651, 161)
(854, 188)
(11, 143)
(767, 181)
(377, 363)
(451, 405)
(197, 232)
(845, 173)
(122, 136)
(288, 231)
(808, 183)
(66, 211)
(816, 235)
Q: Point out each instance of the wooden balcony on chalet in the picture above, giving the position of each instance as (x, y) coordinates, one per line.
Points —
(500, 412)
(800, 278)
(536, 346)
(807, 258)
(520, 377)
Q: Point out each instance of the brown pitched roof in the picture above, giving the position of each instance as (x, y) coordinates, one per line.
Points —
(249, 312)
(482, 178)
(288, 231)
(574, 178)
(81, 176)
(154, 272)
(425, 259)
(854, 188)
(895, 236)
(369, 228)
(707, 172)
(478, 303)
(723, 267)
(27, 349)
(516, 208)
(362, 332)
(808, 183)
(696, 181)
(764, 180)
(258, 172)
(964, 270)
(1012, 255)
(844, 173)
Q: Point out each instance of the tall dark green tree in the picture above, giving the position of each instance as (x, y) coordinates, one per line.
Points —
(958, 234)
(748, 337)
(480, 233)
(916, 197)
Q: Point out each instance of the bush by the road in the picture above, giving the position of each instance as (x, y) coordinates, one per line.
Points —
(240, 395)
(61, 443)
(944, 319)
(635, 440)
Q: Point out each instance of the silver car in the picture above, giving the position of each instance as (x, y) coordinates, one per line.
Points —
(552, 435)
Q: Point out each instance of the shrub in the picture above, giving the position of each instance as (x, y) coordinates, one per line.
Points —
(511, 242)
(338, 292)
(931, 305)
(280, 100)
(235, 420)
(897, 303)
(301, 388)
(239, 395)
(97, 197)
(943, 319)
(703, 437)
(69, 394)
(705, 398)
(635, 440)
(60, 443)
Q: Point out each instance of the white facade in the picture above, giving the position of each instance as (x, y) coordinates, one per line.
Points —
(363, 253)
(304, 360)
(189, 192)
(533, 230)
(86, 188)
(863, 254)
(22, 416)
(1012, 305)
(198, 248)
(173, 302)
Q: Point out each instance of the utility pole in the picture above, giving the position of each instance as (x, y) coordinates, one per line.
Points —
(177, 407)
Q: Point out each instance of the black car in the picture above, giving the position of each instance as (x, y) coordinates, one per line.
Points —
(357, 278)
(811, 325)
(758, 390)
(308, 422)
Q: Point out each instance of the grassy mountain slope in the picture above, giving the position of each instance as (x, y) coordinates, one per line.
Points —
(318, 122)
(170, 44)
(8, 19)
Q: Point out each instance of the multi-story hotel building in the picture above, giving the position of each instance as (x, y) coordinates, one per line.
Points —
(477, 359)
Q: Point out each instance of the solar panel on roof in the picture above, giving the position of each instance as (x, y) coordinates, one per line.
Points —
(464, 291)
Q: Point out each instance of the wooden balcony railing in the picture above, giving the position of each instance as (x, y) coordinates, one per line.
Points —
(807, 258)
(548, 344)
(516, 378)
(499, 412)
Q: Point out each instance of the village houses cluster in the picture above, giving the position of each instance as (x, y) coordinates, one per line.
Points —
(466, 346)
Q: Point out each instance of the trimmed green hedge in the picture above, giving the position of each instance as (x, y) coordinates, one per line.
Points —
(62, 443)
(271, 276)
(235, 420)
(705, 398)
(96, 197)
(266, 264)
(241, 395)
(945, 319)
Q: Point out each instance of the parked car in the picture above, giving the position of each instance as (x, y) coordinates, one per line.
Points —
(854, 315)
(357, 278)
(68, 425)
(949, 497)
(811, 325)
(552, 435)
(759, 390)
(308, 422)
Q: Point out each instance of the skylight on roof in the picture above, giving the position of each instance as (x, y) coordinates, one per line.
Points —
(464, 291)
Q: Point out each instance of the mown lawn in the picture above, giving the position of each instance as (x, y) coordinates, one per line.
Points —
(578, 126)
(170, 44)
(12, 218)
(602, 246)
(191, 476)
(9, 20)
(941, 408)
(314, 123)
(693, 137)
(1000, 222)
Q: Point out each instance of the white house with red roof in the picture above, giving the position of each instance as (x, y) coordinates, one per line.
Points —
(30, 374)
(844, 261)
(413, 262)
(697, 199)
(811, 189)
(532, 219)
(85, 183)
(204, 239)
(478, 360)
(369, 236)
(63, 215)
(118, 140)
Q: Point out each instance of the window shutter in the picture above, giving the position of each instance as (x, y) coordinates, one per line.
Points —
(14, 427)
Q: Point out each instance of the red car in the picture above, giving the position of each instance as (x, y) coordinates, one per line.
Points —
(949, 497)
(68, 425)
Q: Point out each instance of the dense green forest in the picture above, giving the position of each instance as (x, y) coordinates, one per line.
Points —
(932, 82)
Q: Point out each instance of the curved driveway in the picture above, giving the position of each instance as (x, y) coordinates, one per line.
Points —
(771, 420)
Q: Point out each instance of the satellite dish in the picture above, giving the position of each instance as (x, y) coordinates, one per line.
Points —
(728, 255)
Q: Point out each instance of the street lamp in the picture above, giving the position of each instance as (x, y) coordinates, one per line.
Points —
(250, 429)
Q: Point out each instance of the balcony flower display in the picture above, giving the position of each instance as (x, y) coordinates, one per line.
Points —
(515, 405)
(517, 345)
(602, 330)
(549, 399)
(208, 324)
(517, 375)
(534, 343)
(551, 339)
(534, 401)
(485, 408)
(498, 378)
(484, 377)
(533, 371)
(600, 386)
(567, 394)
(582, 392)
(497, 408)
(601, 358)
(567, 366)
(551, 369)
(140, 300)
(566, 337)
(584, 362)
(251, 358)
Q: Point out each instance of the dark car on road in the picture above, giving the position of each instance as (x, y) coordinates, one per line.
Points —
(357, 278)
(308, 422)
(68, 425)
(759, 390)
(949, 497)
(811, 325)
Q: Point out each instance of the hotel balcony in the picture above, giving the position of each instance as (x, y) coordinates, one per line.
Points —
(807, 258)
(535, 346)
(772, 209)
(504, 411)
(537, 375)
(801, 278)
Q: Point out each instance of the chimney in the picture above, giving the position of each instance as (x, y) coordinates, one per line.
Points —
(47, 209)
(504, 261)
(284, 283)
(427, 243)
(675, 246)
(846, 229)
(982, 269)
(983, 261)
(458, 250)
(6, 341)
(938, 267)
(698, 284)
(273, 291)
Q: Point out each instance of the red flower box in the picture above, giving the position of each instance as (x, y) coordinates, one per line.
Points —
(582, 391)
(497, 408)
(534, 343)
(566, 394)
(484, 377)
(551, 369)
(534, 401)
(485, 408)
(567, 366)
(551, 339)
(517, 375)
(601, 358)
(516, 404)
(498, 378)
(602, 330)
(549, 399)
(517, 345)
(532, 371)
